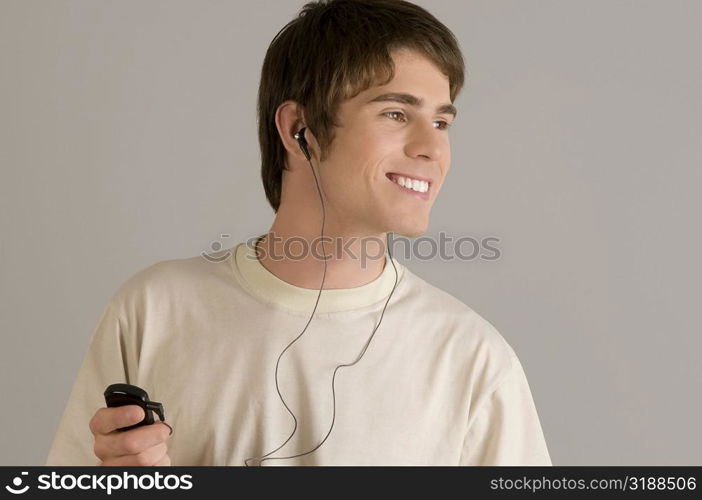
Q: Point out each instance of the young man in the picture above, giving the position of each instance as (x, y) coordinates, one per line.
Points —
(228, 344)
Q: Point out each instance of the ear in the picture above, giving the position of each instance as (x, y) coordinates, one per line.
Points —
(289, 120)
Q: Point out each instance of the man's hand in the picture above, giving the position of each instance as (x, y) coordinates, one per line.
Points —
(142, 446)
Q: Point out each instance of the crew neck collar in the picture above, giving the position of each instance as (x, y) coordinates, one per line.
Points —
(269, 288)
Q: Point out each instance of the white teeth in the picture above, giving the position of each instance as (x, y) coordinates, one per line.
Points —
(413, 184)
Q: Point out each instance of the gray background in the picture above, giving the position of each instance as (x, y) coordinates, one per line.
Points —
(128, 136)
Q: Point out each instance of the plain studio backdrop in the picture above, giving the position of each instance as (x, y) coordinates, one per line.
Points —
(128, 136)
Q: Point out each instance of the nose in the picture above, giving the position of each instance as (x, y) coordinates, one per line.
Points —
(427, 141)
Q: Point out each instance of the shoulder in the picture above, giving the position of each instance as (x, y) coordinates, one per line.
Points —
(461, 326)
(484, 359)
(171, 278)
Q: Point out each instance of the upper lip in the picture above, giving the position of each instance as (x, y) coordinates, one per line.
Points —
(412, 176)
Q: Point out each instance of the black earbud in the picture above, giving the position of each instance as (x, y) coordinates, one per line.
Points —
(300, 137)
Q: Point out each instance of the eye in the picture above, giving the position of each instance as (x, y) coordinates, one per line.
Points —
(446, 125)
(394, 113)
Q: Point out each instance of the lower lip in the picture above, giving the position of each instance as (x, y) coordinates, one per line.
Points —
(423, 196)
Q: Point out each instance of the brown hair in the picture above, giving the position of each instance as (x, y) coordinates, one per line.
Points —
(332, 51)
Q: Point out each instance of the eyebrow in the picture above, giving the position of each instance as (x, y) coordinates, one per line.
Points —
(413, 101)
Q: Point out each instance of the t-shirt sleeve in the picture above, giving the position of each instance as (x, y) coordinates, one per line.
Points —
(106, 362)
(505, 427)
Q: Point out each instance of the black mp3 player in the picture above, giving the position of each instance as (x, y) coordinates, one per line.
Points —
(127, 394)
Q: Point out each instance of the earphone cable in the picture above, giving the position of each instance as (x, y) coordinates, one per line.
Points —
(265, 457)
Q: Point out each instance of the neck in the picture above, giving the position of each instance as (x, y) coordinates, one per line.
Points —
(293, 251)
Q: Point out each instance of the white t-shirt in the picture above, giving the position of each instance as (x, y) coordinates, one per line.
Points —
(437, 385)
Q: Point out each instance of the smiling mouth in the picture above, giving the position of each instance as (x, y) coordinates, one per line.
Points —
(408, 190)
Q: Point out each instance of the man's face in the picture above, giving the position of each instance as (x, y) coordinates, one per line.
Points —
(378, 139)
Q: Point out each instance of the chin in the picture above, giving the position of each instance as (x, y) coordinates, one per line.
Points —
(410, 231)
(415, 234)
(409, 225)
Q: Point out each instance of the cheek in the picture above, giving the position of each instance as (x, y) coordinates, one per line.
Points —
(368, 157)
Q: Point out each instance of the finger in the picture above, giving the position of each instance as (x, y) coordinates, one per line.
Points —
(164, 462)
(106, 420)
(131, 442)
(146, 458)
